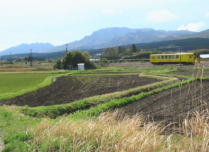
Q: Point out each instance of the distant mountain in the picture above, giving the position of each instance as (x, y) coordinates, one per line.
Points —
(110, 37)
(147, 36)
(170, 45)
(107, 37)
(53, 55)
(97, 39)
(203, 34)
(25, 48)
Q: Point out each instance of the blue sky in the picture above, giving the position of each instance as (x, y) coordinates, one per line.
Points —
(62, 21)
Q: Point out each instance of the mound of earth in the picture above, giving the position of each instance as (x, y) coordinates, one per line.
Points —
(68, 89)
(173, 105)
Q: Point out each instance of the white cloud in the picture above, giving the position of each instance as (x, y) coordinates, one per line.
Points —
(50, 7)
(192, 26)
(160, 16)
(207, 15)
(66, 20)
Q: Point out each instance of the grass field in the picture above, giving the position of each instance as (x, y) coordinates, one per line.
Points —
(92, 124)
(15, 82)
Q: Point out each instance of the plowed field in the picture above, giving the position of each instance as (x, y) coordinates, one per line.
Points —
(68, 89)
(172, 105)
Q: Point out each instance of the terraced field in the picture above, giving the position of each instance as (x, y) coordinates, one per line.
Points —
(68, 89)
(76, 102)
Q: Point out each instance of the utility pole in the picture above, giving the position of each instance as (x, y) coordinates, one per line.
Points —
(10, 57)
(66, 48)
(31, 58)
(180, 54)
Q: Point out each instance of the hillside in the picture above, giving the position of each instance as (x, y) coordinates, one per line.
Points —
(203, 34)
(176, 45)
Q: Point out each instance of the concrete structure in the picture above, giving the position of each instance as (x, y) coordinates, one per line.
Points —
(81, 66)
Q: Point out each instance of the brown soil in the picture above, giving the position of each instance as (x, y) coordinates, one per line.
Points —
(68, 89)
(172, 105)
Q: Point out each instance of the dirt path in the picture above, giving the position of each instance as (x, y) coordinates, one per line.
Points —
(68, 89)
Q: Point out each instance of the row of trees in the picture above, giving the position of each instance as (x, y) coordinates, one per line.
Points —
(121, 51)
(72, 58)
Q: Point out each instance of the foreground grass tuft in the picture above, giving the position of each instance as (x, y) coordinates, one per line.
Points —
(129, 134)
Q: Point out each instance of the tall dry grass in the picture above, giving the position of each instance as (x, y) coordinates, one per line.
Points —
(110, 134)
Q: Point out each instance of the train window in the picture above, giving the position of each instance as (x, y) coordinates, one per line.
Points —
(162, 57)
(158, 57)
(166, 57)
(177, 56)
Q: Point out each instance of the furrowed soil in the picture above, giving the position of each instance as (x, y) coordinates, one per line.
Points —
(68, 89)
(172, 106)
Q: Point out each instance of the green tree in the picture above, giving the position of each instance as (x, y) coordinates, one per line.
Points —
(111, 53)
(134, 49)
(58, 64)
(72, 58)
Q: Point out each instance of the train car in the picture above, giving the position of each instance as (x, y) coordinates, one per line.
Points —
(184, 58)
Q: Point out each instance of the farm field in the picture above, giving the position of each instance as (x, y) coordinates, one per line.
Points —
(71, 88)
(15, 82)
(172, 105)
(117, 108)
(22, 67)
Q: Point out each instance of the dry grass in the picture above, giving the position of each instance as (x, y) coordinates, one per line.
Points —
(111, 134)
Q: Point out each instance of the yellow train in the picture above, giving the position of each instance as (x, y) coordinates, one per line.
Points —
(184, 58)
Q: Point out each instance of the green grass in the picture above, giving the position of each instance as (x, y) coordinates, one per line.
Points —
(15, 82)
(12, 85)
(136, 69)
(14, 129)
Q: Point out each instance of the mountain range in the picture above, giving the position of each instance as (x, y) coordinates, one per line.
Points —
(109, 37)
(27, 48)
(116, 36)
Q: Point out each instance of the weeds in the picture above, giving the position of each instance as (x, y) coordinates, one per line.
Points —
(129, 134)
